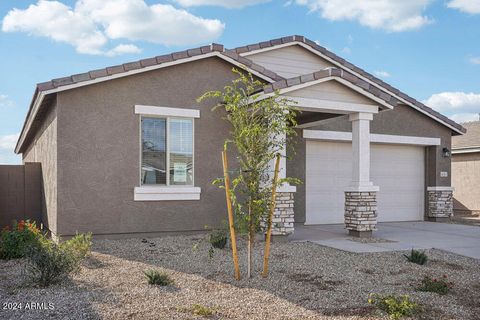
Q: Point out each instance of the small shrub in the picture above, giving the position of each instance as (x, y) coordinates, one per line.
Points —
(218, 238)
(79, 245)
(441, 286)
(416, 256)
(15, 240)
(155, 277)
(200, 310)
(395, 306)
(48, 262)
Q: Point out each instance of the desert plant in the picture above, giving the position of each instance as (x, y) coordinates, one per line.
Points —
(441, 286)
(15, 240)
(218, 238)
(79, 245)
(260, 129)
(49, 262)
(200, 310)
(155, 277)
(416, 256)
(396, 307)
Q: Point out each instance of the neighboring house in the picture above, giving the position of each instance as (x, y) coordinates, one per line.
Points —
(466, 170)
(128, 150)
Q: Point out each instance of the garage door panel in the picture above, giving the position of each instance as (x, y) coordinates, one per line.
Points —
(397, 170)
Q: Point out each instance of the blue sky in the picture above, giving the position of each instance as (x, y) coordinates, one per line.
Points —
(429, 49)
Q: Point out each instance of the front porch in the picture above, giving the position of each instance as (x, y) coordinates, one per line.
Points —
(396, 236)
(402, 168)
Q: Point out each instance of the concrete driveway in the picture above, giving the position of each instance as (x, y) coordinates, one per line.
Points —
(390, 236)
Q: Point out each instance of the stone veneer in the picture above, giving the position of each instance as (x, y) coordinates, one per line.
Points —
(360, 212)
(283, 216)
(440, 204)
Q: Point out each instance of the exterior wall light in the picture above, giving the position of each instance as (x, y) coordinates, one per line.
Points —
(446, 153)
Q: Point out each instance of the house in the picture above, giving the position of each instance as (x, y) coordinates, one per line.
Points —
(127, 150)
(466, 170)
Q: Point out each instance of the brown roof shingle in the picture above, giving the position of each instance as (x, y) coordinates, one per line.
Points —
(346, 64)
(100, 73)
(471, 139)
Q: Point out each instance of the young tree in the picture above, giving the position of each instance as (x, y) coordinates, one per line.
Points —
(260, 129)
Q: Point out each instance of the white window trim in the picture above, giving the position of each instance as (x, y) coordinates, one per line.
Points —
(160, 193)
(374, 138)
(166, 111)
(166, 192)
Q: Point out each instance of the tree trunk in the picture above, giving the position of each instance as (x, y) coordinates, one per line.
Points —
(250, 242)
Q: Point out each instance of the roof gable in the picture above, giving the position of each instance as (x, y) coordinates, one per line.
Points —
(45, 89)
(471, 139)
(289, 61)
(307, 44)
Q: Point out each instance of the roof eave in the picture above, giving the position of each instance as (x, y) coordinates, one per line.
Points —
(110, 73)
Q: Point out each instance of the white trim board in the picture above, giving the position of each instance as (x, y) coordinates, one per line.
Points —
(330, 106)
(327, 58)
(465, 150)
(166, 111)
(329, 78)
(39, 99)
(374, 138)
(155, 193)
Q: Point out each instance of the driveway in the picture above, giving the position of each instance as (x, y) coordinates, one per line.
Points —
(391, 236)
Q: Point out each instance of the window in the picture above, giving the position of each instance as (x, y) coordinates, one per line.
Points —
(167, 151)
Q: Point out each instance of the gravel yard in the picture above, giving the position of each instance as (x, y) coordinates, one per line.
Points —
(307, 281)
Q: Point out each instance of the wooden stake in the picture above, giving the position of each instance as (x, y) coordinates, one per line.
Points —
(270, 217)
(230, 215)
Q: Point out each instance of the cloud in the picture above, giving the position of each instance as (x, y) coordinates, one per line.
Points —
(122, 49)
(382, 74)
(5, 101)
(459, 106)
(8, 141)
(390, 15)
(465, 117)
(91, 24)
(346, 50)
(231, 4)
(467, 6)
(475, 60)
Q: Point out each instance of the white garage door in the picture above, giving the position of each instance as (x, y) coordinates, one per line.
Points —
(398, 170)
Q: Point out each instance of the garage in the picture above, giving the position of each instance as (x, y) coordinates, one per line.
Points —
(399, 171)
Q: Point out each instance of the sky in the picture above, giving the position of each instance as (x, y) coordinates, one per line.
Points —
(429, 49)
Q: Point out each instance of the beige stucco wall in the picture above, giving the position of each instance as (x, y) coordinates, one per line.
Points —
(403, 120)
(98, 152)
(43, 149)
(466, 181)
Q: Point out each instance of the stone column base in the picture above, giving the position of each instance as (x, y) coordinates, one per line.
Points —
(360, 212)
(283, 216)
(440, 203)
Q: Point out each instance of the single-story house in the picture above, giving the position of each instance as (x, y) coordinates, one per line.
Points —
(466, 170)
(127, 149)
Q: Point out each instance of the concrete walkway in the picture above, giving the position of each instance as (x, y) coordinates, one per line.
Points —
(456, 238)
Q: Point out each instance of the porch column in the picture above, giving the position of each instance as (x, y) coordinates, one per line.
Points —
(283, 216)
(361, 195)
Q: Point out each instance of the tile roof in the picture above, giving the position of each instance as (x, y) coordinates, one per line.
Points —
(137, 65)
(348, 65)
(108, 71)
(234, 54)
(469, 140)
(332, 72)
